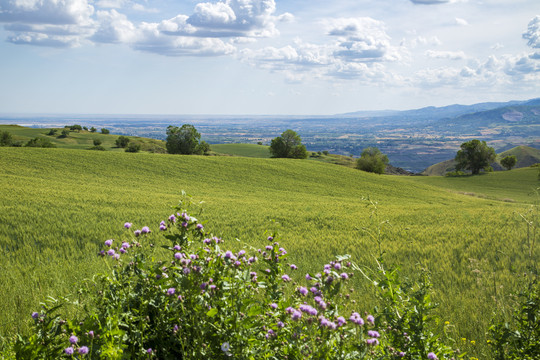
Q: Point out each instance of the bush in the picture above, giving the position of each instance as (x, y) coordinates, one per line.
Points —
(40, 142)
(372, 160)
(75, 128)
(455, 173)
(177, 293)
(5, 138)
(105, 131)
(97, 142)
(52, 132)
(133, 147)
(122, 141)
(65, 133)
(97, 147)
(93, 129)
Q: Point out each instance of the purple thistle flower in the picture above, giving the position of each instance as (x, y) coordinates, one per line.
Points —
(162, 227)
(286, 278)
(122, 251)
(296, 315)
(294, 267)
(432, 356)
(280, 324)
(269, 247)
(145, 230)
(35, 315)
(371, 319)
(125, 245)
(212, 287)
(327, 267)
(401, 354)
(137, 232)
(344, 276)
(302, 290)
(162, 223)
(73, 339)
(184, 224)
(116, 256)
(270, 238)
(171, 291)
(241, 253)
(200, 226)
(91, 334)
(178, 255)
(237, 263)
(172, 218)
(68, 351)
(111, 252)
(186, 270)
(355, 318)
(127, 225)
(308, 309)
(282, 251)
(185, 216)
(228, 254)
(177, 247)
(373, 333)
(83, 350)
(149, 351)
(108, 242)
(341, 321)
(372, 342)
(308, 277)
(337, 266)
(273, 306)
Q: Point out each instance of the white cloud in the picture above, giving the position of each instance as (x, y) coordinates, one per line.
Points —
(114, 4)
(46, 12)
(114, 28)
(286, 17)
(461, 22)
(533, 33)
(446, 55)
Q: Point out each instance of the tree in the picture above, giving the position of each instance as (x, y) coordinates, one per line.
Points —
(105, 131)
(75, 127)
(65, 133)
(97, 142)
(122, 141)
(509, 161)
(474, 155)
(40, 142)
(288, 145)
(93, 129)
(372, 160)
(52, 132)
(5, 138)
(183, 140)
(203, 148)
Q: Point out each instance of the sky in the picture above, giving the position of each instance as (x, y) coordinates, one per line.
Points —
(297, 57)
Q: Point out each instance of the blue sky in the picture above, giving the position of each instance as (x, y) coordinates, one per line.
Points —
(264, 56)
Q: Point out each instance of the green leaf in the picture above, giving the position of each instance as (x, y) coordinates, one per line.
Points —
(212, 312)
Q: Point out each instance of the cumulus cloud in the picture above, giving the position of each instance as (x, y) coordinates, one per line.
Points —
(533, 33)
(361, 39)
(114, 28)
(46, 11)
(446, 55)
(461, 22)
(429, 2)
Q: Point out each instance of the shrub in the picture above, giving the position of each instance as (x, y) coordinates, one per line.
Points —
(133, 147)
(5, 138)
(105, 131)
(97, 142)
(455, 173)
(372, 160)
(93, 129)
(75, 128)
(97, 147)
(65, 133)
(325, 152)
(52, 132)
(177, 293)
(122, 141)
(40, 142)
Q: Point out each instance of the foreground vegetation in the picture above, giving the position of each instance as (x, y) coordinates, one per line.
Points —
(58, 204)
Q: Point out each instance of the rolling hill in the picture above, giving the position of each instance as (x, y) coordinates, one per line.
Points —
(526, 156)
(59, 205)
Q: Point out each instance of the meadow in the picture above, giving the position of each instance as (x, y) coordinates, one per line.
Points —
(59, 205)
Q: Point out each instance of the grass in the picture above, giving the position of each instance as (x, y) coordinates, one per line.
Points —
(59, 205)
(79, 139)
(245, 150)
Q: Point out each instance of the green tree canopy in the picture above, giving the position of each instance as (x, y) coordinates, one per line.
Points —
(122, 141)
(372, 160)
(185, 140)
(105, 131)
(474, 155)
(288, 145)
(509, 161)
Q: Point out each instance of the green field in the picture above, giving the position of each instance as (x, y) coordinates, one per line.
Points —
(59, 205)
(245, 150)
(79, 139)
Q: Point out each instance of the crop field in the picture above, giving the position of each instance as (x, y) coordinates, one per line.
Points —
(57, 206)
(247, 150)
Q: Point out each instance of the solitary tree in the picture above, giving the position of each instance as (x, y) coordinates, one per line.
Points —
(184, 140)
(288, 145)
(474, 155)
(97, 142)
(372, 160)
(122, 141)
(509, 161)
(65, 133)
(105, 131)
(93, 129)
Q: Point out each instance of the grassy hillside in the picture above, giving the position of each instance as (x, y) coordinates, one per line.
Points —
(59, 205)
(79, 139)
(246, 150)
(526, 156)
